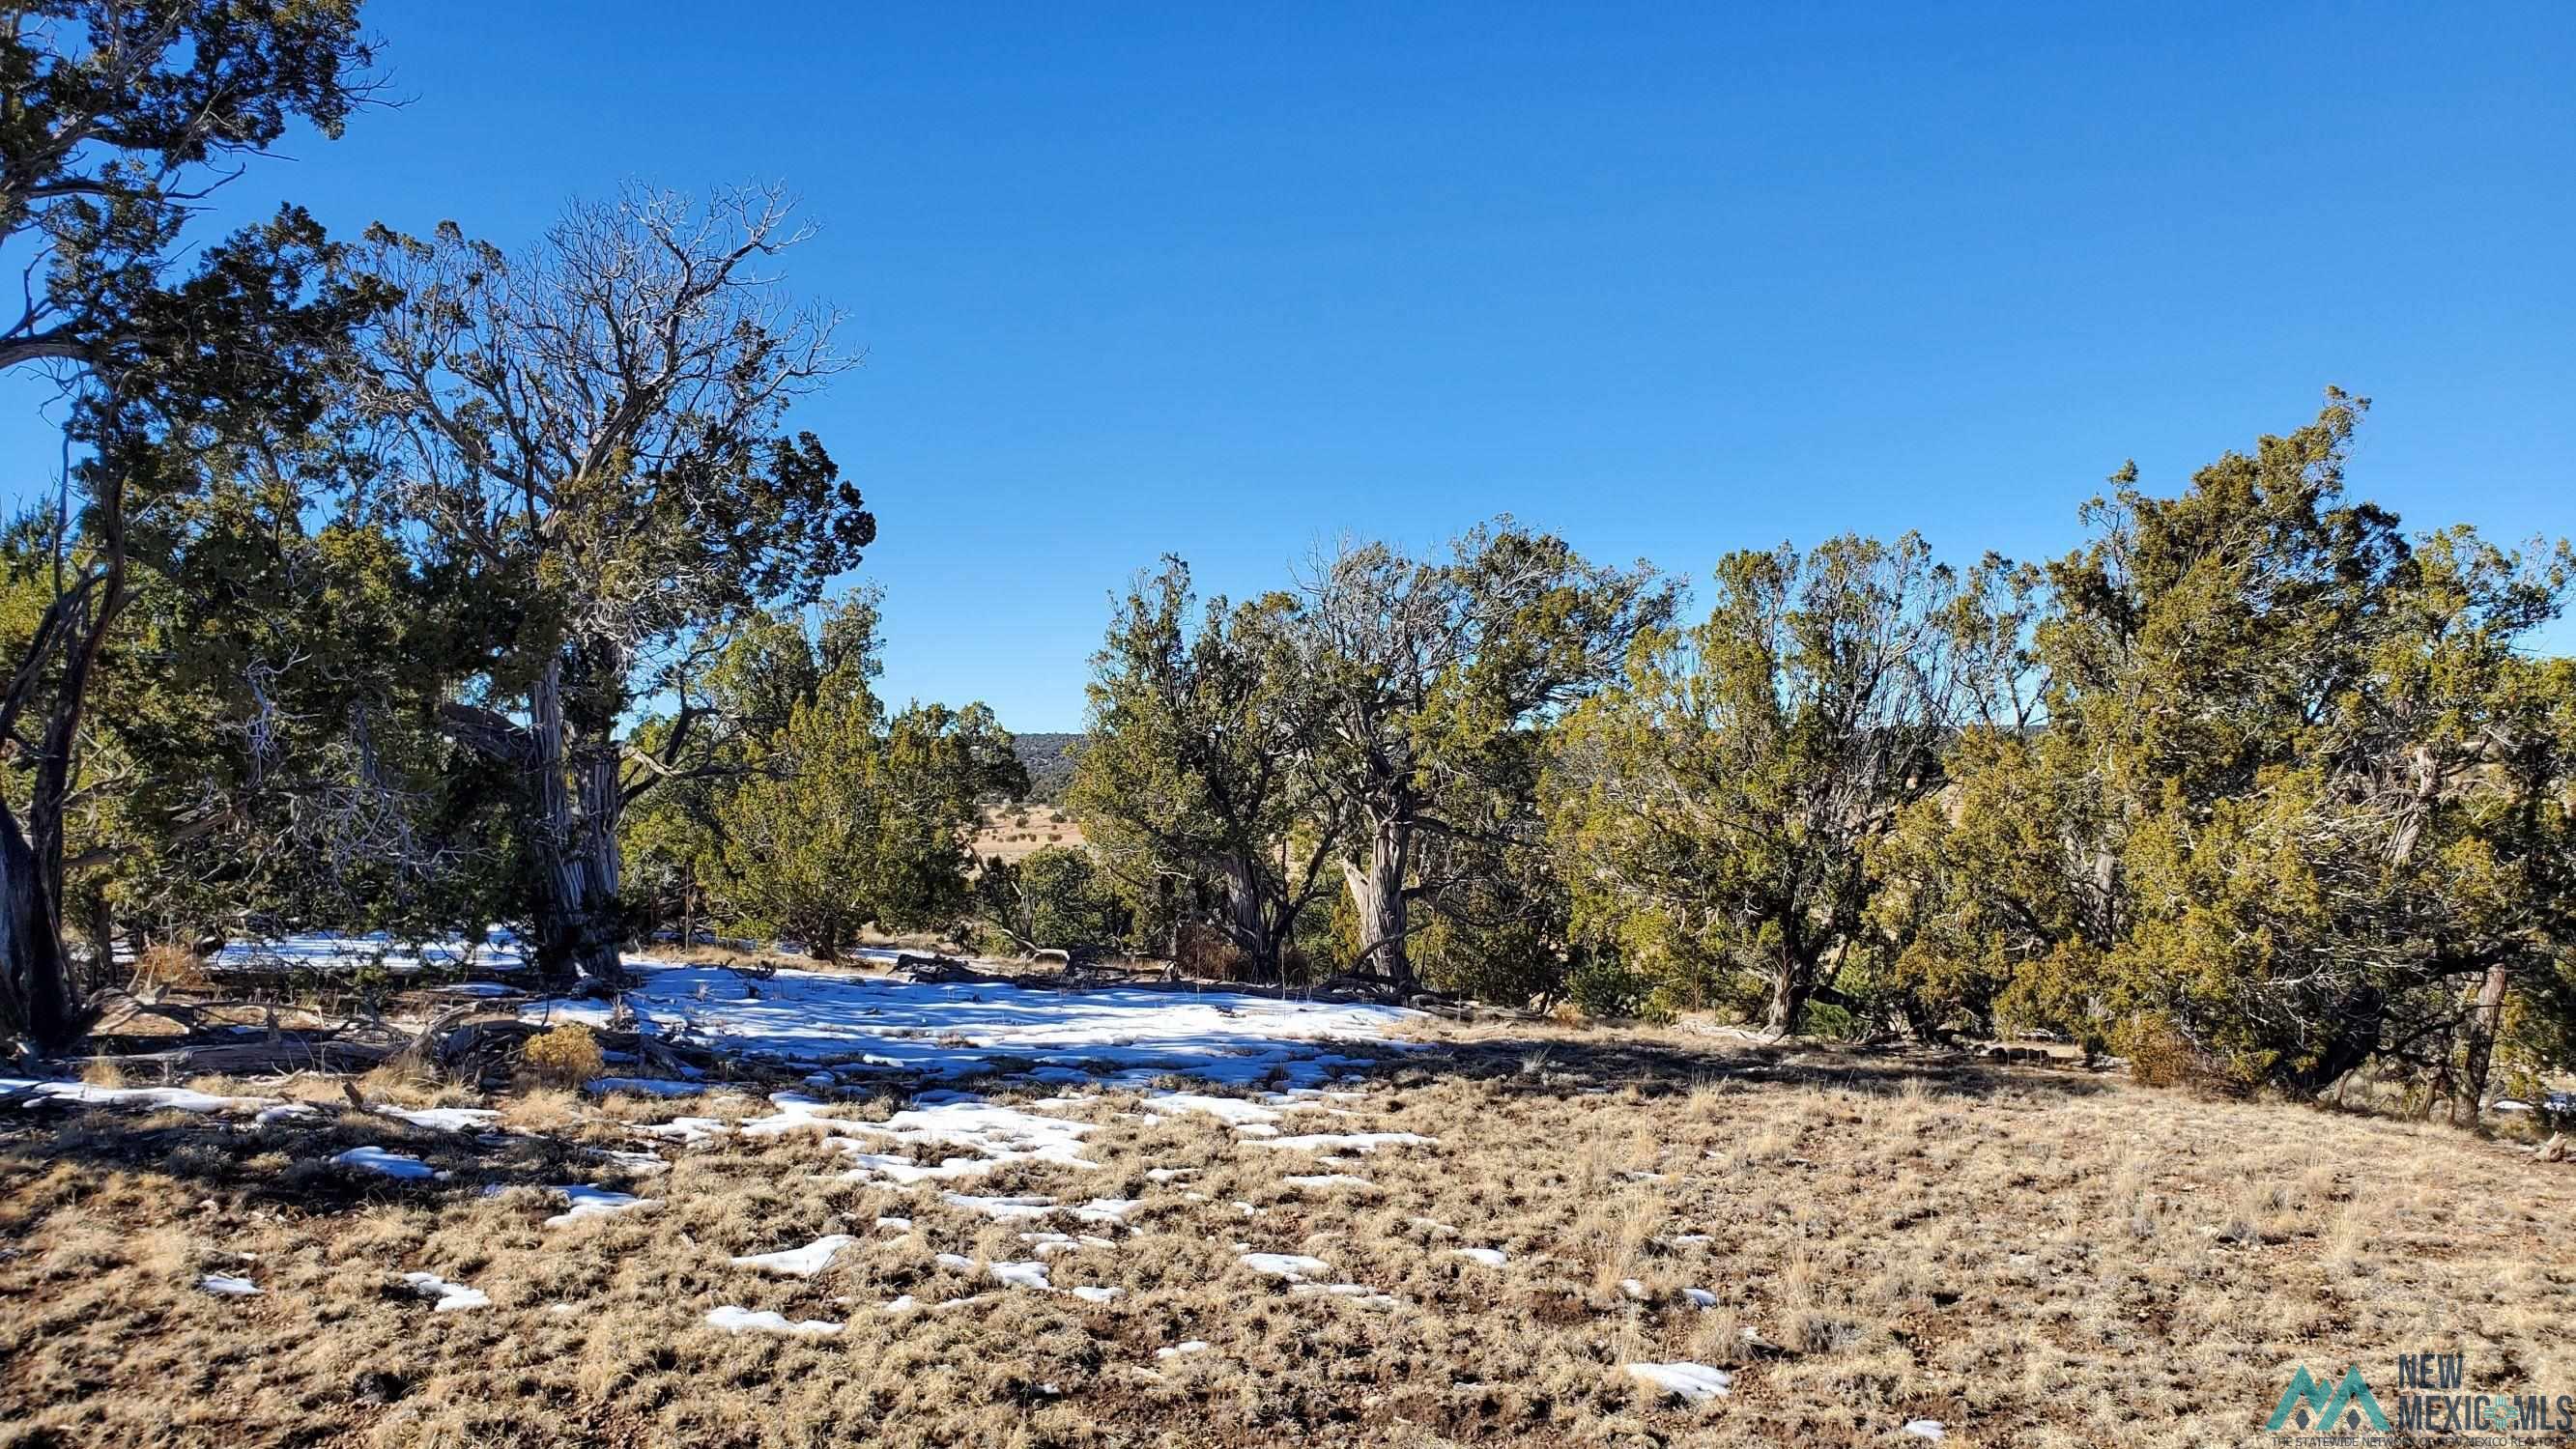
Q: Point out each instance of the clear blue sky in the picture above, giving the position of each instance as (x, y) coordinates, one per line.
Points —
(1223, 280)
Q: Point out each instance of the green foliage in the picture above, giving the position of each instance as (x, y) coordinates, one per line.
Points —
(1719, 809)
(1187, 790)
(2301, 800)
(1051, 899)
(838, 817)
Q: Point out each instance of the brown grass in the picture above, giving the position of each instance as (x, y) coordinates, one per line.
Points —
(2031, 1258)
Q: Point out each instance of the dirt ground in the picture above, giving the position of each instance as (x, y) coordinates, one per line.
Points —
(1870, 1250)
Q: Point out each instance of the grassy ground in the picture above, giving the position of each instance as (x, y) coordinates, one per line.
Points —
(2026, 1257)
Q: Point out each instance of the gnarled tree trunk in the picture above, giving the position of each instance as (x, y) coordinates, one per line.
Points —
(35, 982)
(1377, 898)
(570, 803)
(2484, 1014)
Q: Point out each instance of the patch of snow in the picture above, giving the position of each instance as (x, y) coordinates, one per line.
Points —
(1167, 1174)
(742, 1320)
(949, 1029)
(1632, 1288)
(225, 1285)
(1347, 1141)
(644, 1086)
(450, 1296)
(999, 1209)
(995, 1134)
(1700, 1297)
(591, 1201)
(901, 1225)
(158, 1099)
(802, 1262)
(1696, 1382)
(1295, 1267)
(283, 1112)
(330, 953)
(1490, 1257)
(391, 1164)
(1188, 1345)
(1233, 1111)
(642, 1164)
(1926, 1429)
(1031, 1274)
(1108, 1209)
(1329, 1179)
(907, 1303)
(1089, 1294)
(442, 1119)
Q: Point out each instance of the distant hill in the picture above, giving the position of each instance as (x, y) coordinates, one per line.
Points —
(1049, 759)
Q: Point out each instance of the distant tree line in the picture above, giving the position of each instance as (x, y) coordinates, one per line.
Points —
(2254, 786)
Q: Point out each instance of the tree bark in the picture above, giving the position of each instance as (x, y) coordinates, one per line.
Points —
(1245, 920)
(574, 807)
(35, 981)
(2471, 1100)
(1377, 898)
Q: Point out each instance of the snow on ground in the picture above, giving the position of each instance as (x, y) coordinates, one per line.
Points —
(802, 1262)
(334, 954)
(450, 1296)
(999, 1209)
(1295, 1267)
(1490, 1257)
(225, 1285)
(742, 1320)
(1031, 1274)
(173, 1099)
(864, 1025)
(1926, 1429)
(391, 1164)
(1329, 1179)
(590, 1200)
(443, 1119)
(1696, 1382)
(1346, 1141)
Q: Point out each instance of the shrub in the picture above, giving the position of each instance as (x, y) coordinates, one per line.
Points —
(564, 1057)
(171, 968)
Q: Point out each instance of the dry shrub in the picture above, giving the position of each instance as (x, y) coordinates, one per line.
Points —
(2160, 1056)
(1204, 952)
(564, 1057)
(171, 968)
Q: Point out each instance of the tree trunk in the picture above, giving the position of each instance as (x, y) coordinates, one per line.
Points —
(572, 830)
(1377, 898)
(2472, 1099)
(35, 982)
(1243, 919)
(1790, 989)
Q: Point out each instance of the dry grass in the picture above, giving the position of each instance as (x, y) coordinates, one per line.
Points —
(2031, 1258)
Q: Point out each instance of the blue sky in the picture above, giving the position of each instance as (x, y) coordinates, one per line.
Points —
(1226, 280)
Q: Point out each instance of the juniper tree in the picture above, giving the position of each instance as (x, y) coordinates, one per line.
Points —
(1717, 808)
(121, 118)
(1189, 787)
(589, 433)
(1416, 689)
